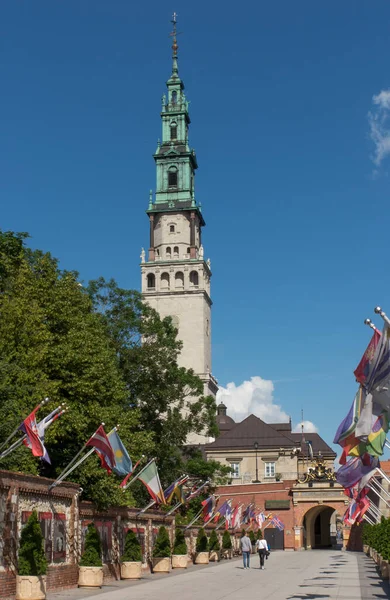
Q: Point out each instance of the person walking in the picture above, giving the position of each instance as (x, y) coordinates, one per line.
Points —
(262, 548)
(246, 549)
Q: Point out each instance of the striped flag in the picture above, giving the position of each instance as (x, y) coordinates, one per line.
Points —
(362, 370)
(100, 442)
(151, 480)
(208, 508)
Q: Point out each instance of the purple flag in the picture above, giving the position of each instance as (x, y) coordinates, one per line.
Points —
(354, 470)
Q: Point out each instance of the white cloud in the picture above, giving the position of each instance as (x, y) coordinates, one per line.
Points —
(308, 427)
(252, 397)
(256, 397)
(379, 127)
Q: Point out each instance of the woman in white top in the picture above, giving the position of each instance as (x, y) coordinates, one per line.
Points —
(262, 548)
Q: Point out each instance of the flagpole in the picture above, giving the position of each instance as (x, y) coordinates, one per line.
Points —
(378, 494)
(44, 401)
(174, 508)
(368, 519)
(69, 470)
(380, 312)
(382, 489)
(195, 519)
(196, 492)
(137, 476)
(128, 476)
(152, 503)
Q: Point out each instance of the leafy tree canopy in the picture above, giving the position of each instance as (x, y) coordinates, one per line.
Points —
(82, 346)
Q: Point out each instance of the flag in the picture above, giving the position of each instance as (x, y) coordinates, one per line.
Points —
(236, 516)
(348, 424)
(208, 508)
(100, 442)
(33, 441)
(310, 448)
(196, 491)
(375, 440)
(355, 470)
(378, 373)
(41, 429)
(278, 523)
(122, 462)
(228, 516)
(151, 480)
(175, 490)
(260, 519)
(362, 370)
(222, 510)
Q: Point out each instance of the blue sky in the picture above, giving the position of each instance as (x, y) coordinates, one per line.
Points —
(293, 170)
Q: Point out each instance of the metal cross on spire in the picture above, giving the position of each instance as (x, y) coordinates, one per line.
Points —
(173, 34)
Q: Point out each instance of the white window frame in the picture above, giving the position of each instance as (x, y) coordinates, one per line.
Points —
(235, 466)
(270, 469)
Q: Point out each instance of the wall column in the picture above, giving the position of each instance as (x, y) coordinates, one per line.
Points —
(192, 236)
(151, 242)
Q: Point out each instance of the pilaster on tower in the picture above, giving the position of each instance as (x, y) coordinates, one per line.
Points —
(176, 276)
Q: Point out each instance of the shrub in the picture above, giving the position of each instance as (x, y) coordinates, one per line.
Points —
(214, 542)
(252, 537)
(92, 555)
(32, 560)
(132, 551)
(226, 540)
(202, 541)
(259, 535)
(179, 546)
(162, 545)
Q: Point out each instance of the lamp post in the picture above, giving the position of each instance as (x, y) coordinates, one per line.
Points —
(256, 445)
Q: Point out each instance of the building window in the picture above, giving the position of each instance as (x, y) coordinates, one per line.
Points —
(194, 278)
(168, 252)
(171, 229)
(165, 281)
(235, 467)
(174, 97)
(179, 280)
(173, 131)
(172, 178)
(176, 252)
(151, 281)
(269, 469)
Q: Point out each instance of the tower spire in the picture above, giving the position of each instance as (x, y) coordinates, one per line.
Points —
(175, 47)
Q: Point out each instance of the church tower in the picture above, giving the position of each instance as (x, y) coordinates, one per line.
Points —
(175, 275)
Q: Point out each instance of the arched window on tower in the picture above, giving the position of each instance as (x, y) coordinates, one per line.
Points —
(176, 252)
(174, 97)
(172, 177)
(165, 281)
(173, 131)
(151, 281)
(179, 280)
(194, 279)
(168, 252)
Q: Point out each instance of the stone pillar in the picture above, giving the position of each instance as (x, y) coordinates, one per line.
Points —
(298, 538)
(192, 236)
(151, 242)
(346, 533)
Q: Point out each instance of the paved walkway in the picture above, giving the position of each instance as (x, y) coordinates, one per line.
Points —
(319, 574)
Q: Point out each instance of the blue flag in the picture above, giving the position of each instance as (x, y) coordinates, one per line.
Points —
(123, 464)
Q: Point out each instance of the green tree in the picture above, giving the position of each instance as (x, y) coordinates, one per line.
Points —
(179, 546)
(32, 559)
(53, 343)
(92, 555)
(162, 545)
(259, 534)
(214, 545)
(202, 543)
(226, 540)
(252, 537)
(132, 550)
